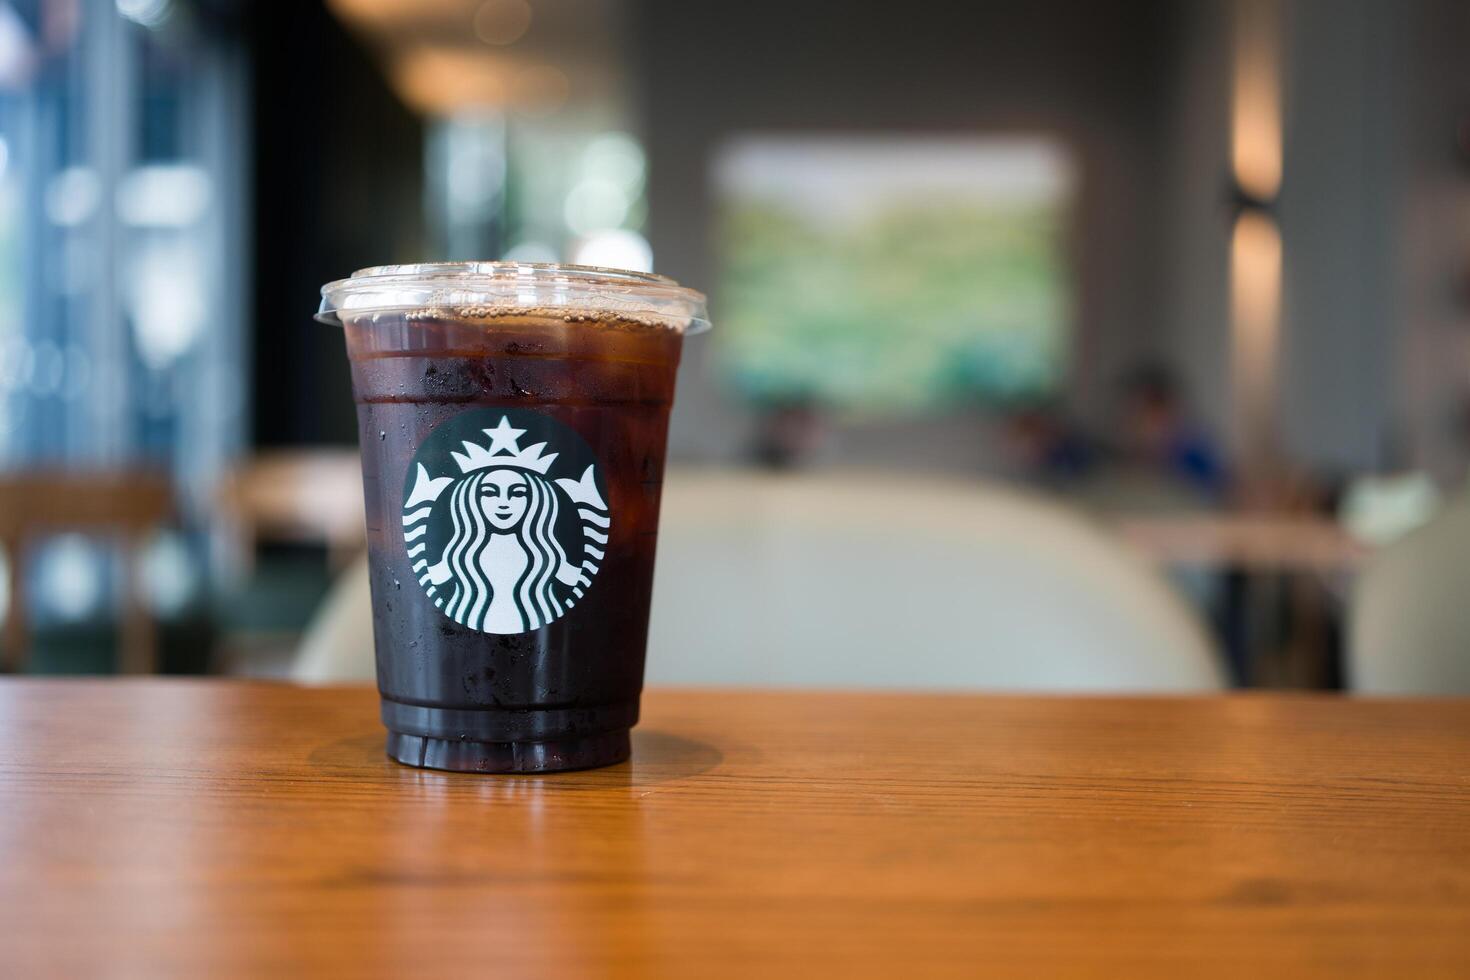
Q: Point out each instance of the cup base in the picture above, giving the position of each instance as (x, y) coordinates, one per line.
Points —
(556, 755)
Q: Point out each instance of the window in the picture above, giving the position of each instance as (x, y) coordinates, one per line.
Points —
(121, 315)
(121, 244)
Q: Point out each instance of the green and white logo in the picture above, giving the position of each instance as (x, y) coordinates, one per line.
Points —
(498, 540)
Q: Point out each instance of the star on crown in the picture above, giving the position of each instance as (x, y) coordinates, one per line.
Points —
(504, 450)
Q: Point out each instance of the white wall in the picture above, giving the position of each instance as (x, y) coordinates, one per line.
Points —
(1341, 201)
(1432, 328)
(1374, 209)
(1092, 74)
(1375, 220)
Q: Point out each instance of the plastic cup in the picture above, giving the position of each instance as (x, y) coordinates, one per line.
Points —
(513, 420)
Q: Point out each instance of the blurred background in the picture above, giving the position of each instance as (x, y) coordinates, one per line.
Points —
(1122, 343)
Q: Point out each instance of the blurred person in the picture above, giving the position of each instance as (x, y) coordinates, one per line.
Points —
(1046, 447)
(1157, 435)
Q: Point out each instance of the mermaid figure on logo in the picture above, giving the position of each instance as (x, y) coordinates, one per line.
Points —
(503, 568)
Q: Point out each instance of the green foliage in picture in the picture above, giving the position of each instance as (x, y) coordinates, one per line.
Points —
(889, 298)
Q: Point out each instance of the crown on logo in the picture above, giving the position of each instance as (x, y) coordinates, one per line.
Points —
(504, 450)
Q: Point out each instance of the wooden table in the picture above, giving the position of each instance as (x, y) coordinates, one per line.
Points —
(189, 828)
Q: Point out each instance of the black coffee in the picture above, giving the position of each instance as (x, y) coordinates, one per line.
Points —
(512, 465)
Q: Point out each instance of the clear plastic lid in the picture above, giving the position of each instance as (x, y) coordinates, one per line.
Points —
(491, 288)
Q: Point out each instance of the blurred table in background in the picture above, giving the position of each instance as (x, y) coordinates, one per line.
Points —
(191, 828)
(1247, 542)
(309, 496)
(128, 505)
(292, 520)
(1285, 579)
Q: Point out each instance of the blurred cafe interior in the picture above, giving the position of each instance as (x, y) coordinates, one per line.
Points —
(1121, 345)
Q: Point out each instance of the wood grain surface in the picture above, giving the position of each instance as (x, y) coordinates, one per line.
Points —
(191, 828)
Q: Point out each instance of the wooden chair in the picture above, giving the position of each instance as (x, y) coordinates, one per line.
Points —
(127, 504)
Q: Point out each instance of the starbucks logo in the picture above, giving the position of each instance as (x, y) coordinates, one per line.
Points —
(498, 539)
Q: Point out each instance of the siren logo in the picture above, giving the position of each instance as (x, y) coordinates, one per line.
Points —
(497, 538)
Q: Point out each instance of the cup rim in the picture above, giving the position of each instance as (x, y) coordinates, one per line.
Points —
(550, 285)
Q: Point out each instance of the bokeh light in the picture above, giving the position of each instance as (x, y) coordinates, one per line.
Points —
(502, 21)
(615, 249)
